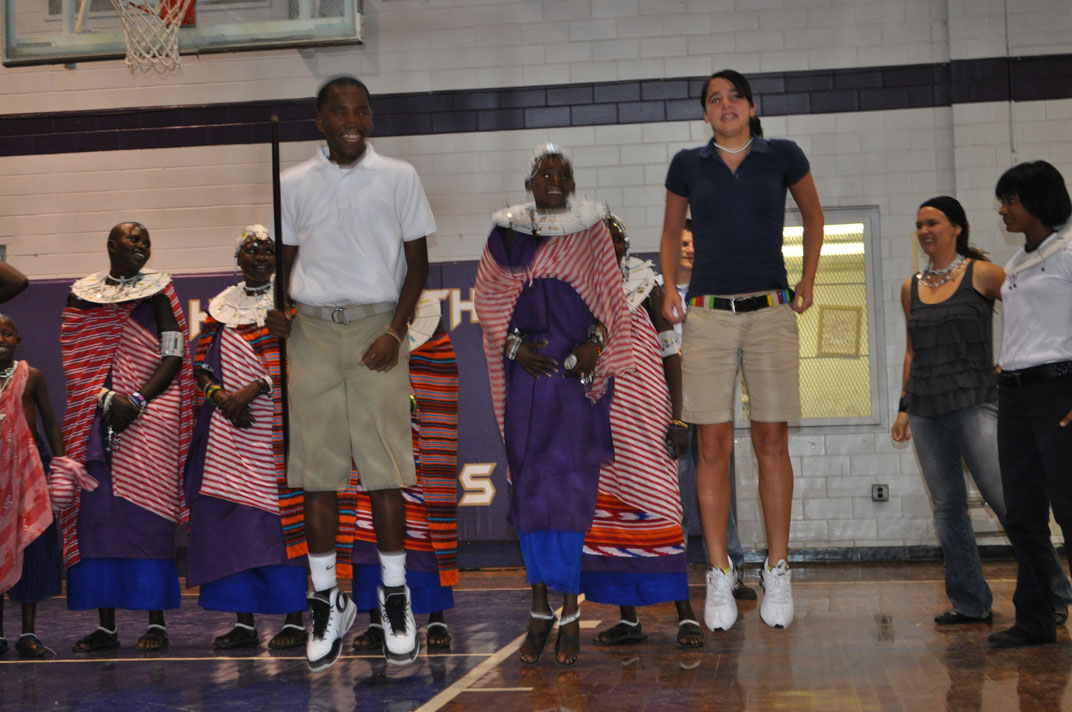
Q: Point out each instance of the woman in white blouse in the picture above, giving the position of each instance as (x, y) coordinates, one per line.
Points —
(1034, 380)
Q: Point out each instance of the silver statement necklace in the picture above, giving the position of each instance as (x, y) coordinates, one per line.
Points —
(6, 373)
(734, 150)
(937, 277)
(257, 291)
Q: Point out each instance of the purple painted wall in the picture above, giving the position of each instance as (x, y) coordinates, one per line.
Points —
(483, 498)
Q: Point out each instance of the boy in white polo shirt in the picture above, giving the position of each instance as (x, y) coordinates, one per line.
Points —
(356, 260)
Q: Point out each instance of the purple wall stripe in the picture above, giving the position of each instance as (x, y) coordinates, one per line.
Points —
(604, 103)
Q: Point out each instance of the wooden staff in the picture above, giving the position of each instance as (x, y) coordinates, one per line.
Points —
(280, 283)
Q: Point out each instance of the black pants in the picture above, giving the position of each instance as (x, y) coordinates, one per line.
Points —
(1036, 473)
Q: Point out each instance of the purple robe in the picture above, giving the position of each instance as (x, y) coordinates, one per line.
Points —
(556, 439)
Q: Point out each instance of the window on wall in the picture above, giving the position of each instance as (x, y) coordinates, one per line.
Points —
(840, 334)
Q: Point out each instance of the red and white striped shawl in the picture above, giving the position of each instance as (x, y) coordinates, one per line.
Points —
(147, 462)
(642, 475)
(25, 511)
(585, 260)
(240, 463)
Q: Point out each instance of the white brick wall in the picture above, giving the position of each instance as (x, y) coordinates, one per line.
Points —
(56, 210)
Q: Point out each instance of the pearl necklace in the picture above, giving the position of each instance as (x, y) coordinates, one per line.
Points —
(937, 277)
(734, 150)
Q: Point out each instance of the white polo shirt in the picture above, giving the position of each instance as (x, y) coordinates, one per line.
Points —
(350, 225)
(1038, 306)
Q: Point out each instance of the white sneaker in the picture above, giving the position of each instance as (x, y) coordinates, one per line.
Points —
(400, 645)
(333, 613)
(776, 608)
(720, 610)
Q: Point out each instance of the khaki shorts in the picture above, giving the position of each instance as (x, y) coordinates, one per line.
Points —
(763, 343)
(339, 409)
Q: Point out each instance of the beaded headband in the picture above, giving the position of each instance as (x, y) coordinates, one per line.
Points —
(543, 151)
(258, 233)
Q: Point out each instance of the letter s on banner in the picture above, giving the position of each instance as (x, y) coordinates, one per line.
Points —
(476, 482)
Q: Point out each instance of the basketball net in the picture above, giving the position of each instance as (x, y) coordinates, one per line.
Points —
(152, 32)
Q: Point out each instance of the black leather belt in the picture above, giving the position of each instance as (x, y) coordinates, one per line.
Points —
(1015, 379)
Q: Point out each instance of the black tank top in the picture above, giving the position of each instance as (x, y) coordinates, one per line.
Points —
(952, 351)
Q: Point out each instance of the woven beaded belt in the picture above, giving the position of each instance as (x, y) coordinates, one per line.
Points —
(744, 304)
(1015, 379)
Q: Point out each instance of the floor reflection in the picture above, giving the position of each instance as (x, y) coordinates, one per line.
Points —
(863, 639)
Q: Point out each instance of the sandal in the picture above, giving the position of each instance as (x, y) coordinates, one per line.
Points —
(621, 633)
(241, 636)
(537, 641)
(155, 633)
(568, 642)
(686, 629)
(284, 640)
(441, 640)
(29, 646)
(371, 640)
(100, 639)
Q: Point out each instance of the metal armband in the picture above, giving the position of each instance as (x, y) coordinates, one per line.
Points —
(669, 343)
(597, 335)
(513, 343)
(172, 343)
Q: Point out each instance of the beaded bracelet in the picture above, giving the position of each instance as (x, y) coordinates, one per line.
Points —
(210, 390)
(678, 424)
(138, 400)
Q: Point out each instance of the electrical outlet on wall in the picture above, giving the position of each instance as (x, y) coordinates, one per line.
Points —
(880, 493)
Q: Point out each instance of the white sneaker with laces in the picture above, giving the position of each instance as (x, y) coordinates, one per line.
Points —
(400, 644)
(776, 608)
(720, 610)
(333, 613)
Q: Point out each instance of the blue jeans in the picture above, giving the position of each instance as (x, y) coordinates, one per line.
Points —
(944, 445)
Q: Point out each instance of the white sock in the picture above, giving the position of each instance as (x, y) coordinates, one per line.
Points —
(322, 570)
(393, 568)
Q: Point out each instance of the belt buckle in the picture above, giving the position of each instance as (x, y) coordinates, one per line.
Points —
(733, 305)
(342, 311)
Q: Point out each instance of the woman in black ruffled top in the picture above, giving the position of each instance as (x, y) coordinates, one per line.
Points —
(948, 398)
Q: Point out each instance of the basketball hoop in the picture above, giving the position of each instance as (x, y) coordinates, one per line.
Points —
(152, 31)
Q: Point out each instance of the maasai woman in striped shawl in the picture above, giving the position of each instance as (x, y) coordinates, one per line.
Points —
(556, 330)
(432, 504)
(634, 554)
(30, 566)
(129, 400)
(246, 525)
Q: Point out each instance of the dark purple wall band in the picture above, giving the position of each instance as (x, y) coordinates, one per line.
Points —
(607, 103)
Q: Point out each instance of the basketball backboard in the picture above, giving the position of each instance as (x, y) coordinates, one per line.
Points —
(63, 31)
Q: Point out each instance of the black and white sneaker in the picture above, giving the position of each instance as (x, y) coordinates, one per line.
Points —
(400, 645)
(333, 613)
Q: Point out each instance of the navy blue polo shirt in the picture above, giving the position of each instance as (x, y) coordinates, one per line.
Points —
(737, 218)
